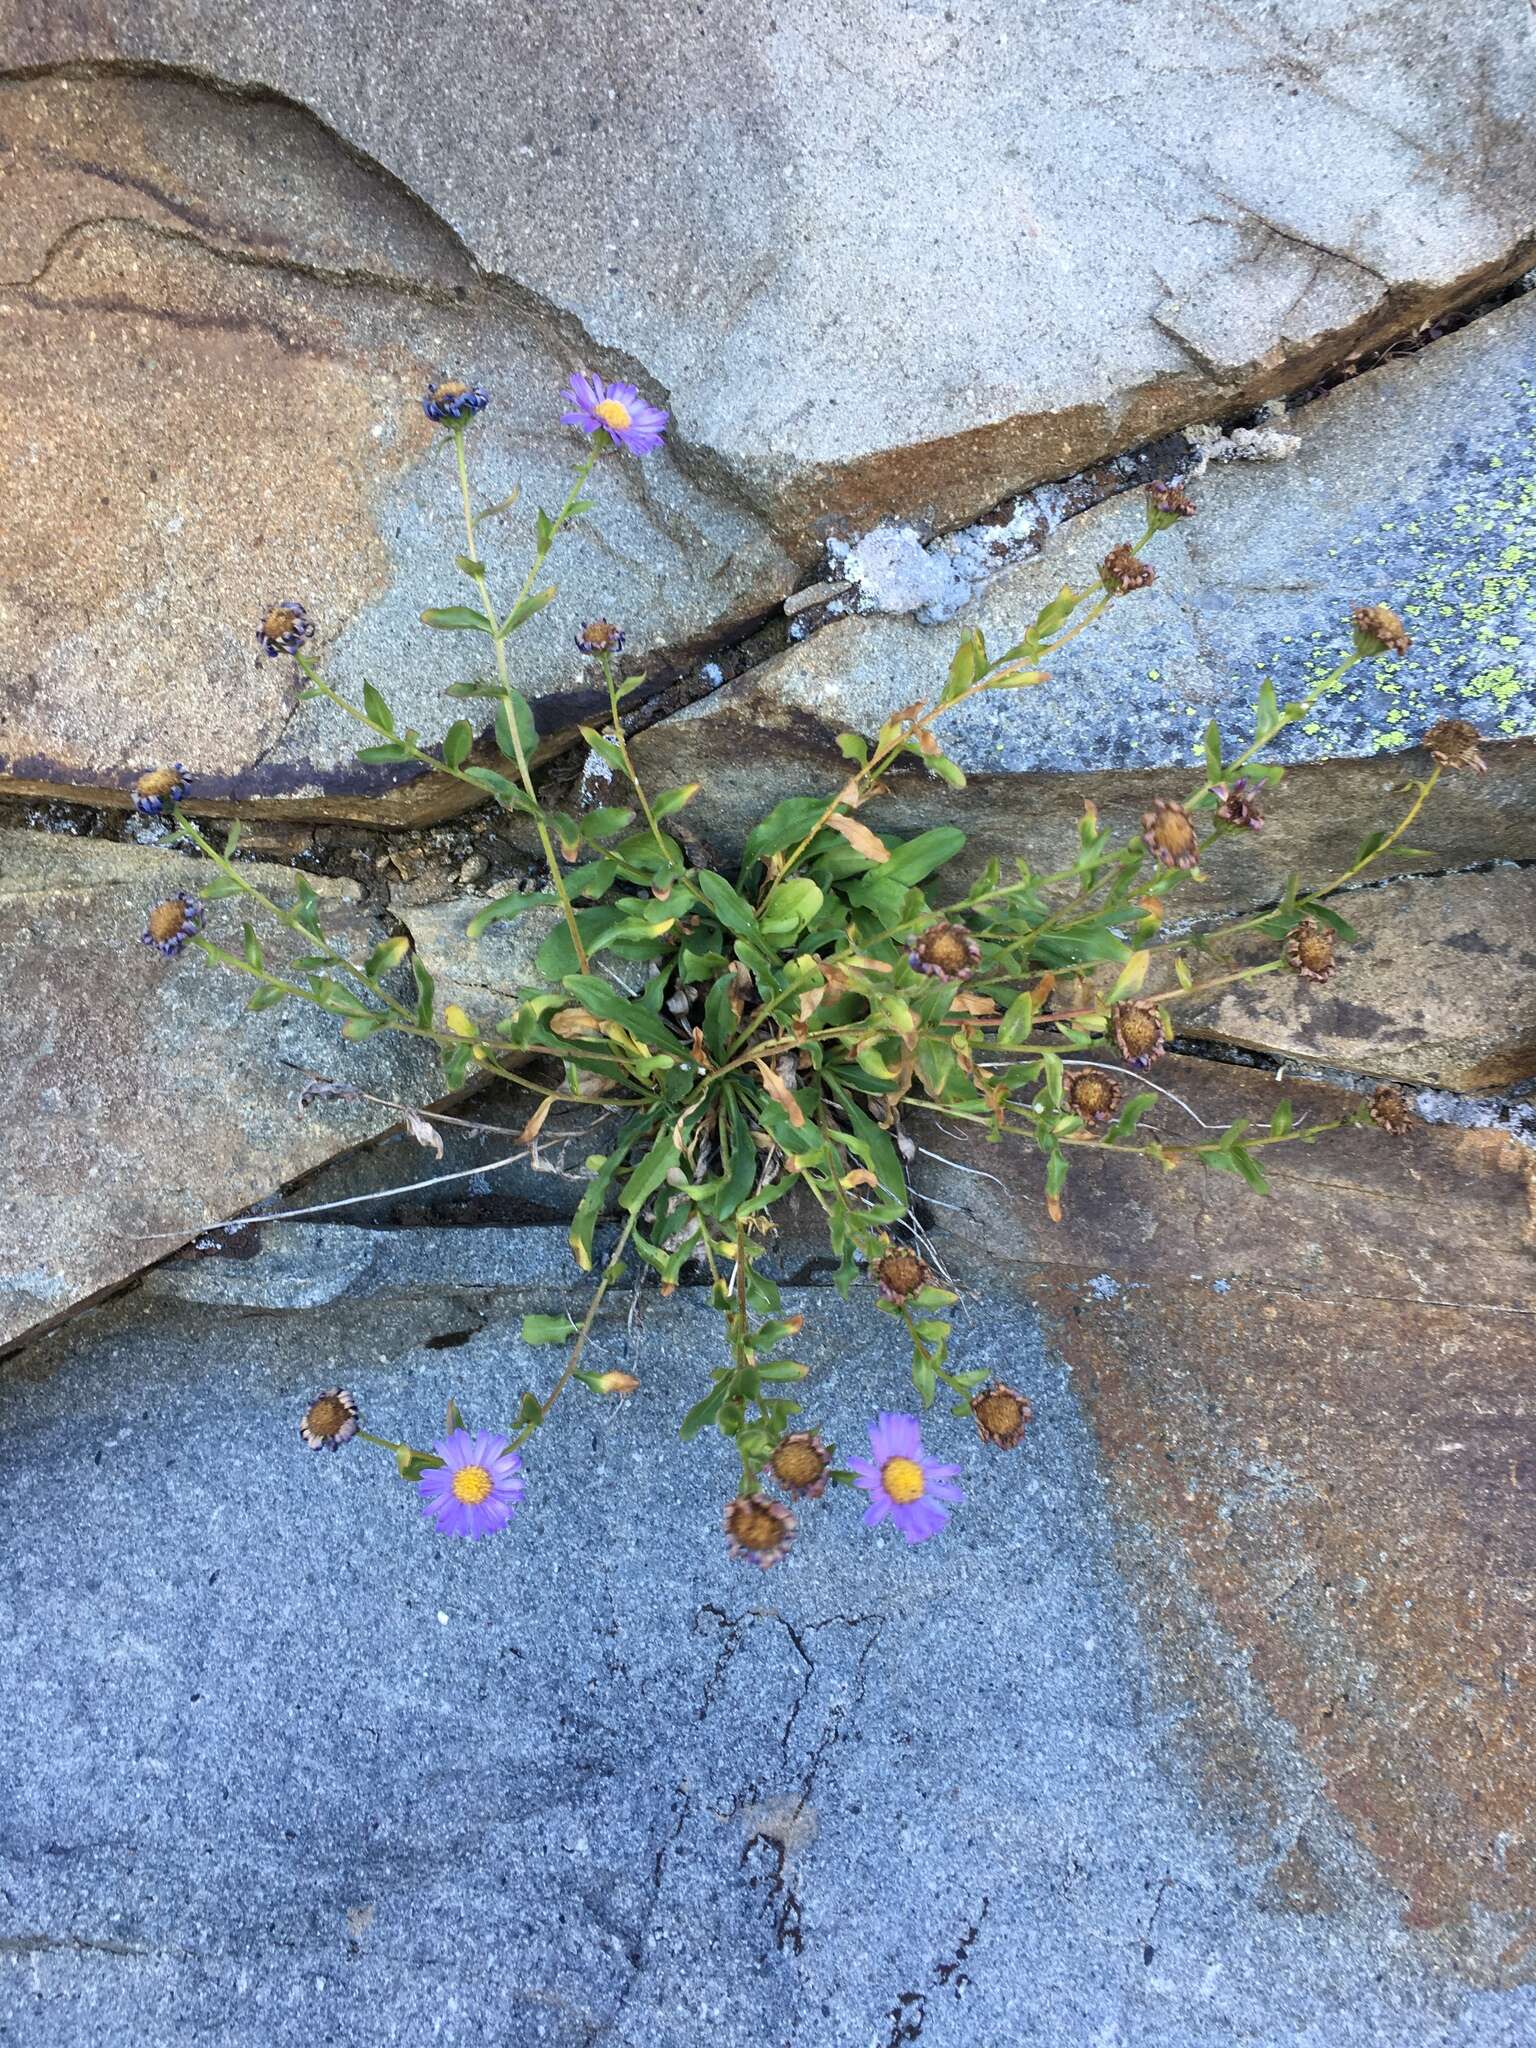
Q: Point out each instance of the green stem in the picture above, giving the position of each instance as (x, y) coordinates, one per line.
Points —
(610, 1273)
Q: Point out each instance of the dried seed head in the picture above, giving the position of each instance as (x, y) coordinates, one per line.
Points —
(1238, 807)
(330, 1420)
(171, 923)
(1309, 949)
(1389, 1112)
(1122, 570)
(758, 1529)
(162, 786)
(1454, 744)
(451, 400)
(285, 629)
(1168, 834)
(899, 1274)
(1138, 1030)
(946, 951)
(600, 636)
(1002, 1415)
(616, 1383)
(1378, 630)
(1093, 1096)
(801, 1464)
(1167, 503)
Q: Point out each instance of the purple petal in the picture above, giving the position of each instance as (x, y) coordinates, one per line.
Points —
(877, 1512)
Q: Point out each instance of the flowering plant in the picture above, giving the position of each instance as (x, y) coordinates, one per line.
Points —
(738, 1035)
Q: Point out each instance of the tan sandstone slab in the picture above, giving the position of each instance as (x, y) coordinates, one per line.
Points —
(239, 319)
(145, 1102)
(1440, 990)
(1314, 1411)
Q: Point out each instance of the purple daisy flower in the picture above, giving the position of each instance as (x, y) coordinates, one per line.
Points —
(475, 1489)
(901, 1482)
(162, 786)
(629, 420)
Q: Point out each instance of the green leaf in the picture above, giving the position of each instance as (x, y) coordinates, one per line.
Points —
(1248, 1167)
(604, 821)
(1213, 752)
(731, 909)
(920, 856)
(386, 957)
(590, 1207)
(1018, 1021)
(504, 791)
(605, 1001)
(469, 566)
(389, 750)
(412, 1464)
(790, 907)
(232, 841)
(378, 709)
(946, 770)
(671, 801)
(649, 1174)
(426, 992)
(854, 746)
(457, 741)
(547, 1329)
(506, 907)
(704, 1412)
(785, 826)
(216, 892)
(501, 505)
(530, 1412)
(266, 998)
(456, 618)
(513, 707)
(251, 945)
(525, 608)
(1280, 1123)
(1266, 714)
(605, 748)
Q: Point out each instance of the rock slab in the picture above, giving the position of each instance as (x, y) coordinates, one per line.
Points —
(146, 1102)
(282, 1764)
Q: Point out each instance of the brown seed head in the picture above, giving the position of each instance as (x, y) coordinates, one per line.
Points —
(1093, 1096)
(1454, 743)
(1167, 502)
(899, 1274)
(330, 1420)
(801, 1464)
(1238, 806)
(159, 782)
(1122, 570)
(946, 951)
(616, 1383)
(166, 919)
(1309, 948)
(758, 1529)
(1168, 834)
(1138, 1033)
(1378, 630)
(600, 636)
(1389, 1112)
(1002, 1415)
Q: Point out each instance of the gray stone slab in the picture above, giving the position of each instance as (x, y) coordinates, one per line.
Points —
(281, 1766)
(1415, 485)
(1080, 230)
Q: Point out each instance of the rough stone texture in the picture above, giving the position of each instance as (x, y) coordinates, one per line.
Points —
(483, 975)
(1314, 1413)
(281, 1766)
(1415, 483)
(144, 1101)
(1080, 231)
(1440, 990)
(239, 319)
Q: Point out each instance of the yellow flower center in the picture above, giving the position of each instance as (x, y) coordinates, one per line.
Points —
(613, 414)
(903, 1480)
(167, 919)
(472, 1484)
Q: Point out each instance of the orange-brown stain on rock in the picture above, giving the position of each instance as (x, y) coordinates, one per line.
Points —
(1316, 1419)
(187, 442)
